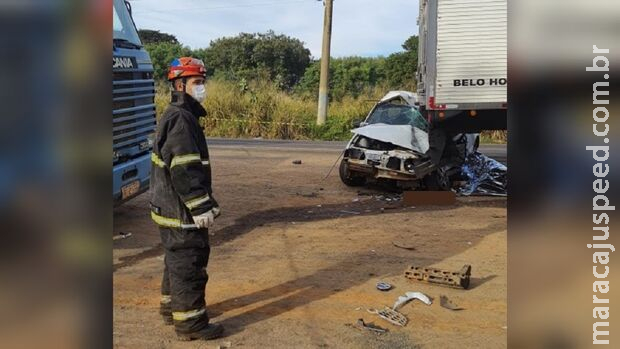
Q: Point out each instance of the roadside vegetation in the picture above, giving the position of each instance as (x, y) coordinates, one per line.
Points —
(266, 85)
(260, 109)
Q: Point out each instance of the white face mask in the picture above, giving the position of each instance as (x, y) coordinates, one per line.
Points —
(199, 92)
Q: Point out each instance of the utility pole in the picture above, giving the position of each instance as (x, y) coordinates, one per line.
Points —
(324, 84)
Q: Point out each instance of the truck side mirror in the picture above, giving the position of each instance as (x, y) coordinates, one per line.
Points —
(128, 8)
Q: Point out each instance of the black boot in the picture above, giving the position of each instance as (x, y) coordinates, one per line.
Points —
(211, 331)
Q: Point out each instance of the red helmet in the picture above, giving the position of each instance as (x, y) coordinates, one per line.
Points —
(185, 67)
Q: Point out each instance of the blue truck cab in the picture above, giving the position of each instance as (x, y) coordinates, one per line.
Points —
(133, 113)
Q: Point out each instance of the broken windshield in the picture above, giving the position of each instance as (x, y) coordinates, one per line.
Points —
(393, 113)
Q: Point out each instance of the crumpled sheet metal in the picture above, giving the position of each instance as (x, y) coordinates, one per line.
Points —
(405, 136)
(409, 296)
(409, 97)
(485, 176)
(445, 302)
(360, 324)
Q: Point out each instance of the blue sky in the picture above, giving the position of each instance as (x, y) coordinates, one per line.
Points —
(361, 27)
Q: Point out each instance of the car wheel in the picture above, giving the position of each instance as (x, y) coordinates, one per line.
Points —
(437, 181)
(347, 176)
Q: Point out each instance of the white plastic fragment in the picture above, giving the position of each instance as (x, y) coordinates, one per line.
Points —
(402, 300)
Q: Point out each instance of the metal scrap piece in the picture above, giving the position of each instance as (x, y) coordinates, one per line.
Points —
(459, 279)
(360, 324)
(403, 245)
(448, 304)
(391, 316)
(121, 236)
(402, 300)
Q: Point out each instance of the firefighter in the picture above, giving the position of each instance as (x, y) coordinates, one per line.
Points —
(182, 203)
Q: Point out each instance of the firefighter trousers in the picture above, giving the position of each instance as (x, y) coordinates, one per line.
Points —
(185, 277)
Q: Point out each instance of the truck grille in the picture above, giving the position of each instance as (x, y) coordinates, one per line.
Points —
(133, 115)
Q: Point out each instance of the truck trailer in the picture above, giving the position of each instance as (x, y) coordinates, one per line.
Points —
(462, 64)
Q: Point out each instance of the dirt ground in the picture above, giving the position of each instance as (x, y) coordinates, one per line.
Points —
(295, 259)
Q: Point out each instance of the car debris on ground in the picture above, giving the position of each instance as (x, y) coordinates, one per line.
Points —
(445, 302)
(403, 245)
(385, 197)
(390, 315)
(371, 327)
(409, 296)
(459, 279)
(391, 198)
(121, 236)
(383, 286)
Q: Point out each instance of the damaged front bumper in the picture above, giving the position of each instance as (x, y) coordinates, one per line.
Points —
(395, 164)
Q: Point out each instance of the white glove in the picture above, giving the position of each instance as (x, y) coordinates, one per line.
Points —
(204, 220)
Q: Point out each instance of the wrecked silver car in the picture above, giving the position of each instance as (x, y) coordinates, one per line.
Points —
(391, 145)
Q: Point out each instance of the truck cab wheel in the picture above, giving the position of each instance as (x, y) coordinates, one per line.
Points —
(349, 178)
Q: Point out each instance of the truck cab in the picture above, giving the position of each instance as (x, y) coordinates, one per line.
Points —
(133, 113)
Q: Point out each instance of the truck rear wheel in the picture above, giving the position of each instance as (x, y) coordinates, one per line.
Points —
(437, 181)
(349, 178)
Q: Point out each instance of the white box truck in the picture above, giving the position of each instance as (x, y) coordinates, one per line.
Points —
(462, 64)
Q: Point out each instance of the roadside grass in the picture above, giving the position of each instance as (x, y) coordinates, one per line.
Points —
(261, 109)
(494, 137)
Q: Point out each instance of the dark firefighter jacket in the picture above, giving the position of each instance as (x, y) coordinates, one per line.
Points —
(181, 173)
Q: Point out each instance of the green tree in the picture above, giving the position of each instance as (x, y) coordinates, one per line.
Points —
(411, 45)
(351, 76)
(162, 54)
(279, 58)
(348, 76)
(400, 67)
(148, 36)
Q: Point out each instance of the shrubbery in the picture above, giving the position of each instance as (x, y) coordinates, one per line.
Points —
(261, 109)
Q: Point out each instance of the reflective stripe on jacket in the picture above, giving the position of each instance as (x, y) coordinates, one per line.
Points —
(181, 171)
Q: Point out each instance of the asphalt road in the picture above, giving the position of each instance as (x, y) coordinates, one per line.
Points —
(495, 151)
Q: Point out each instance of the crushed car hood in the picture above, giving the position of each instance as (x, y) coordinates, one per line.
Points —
(409, 97)
(405, 136)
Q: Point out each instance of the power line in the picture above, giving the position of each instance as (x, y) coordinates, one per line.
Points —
(227, 7)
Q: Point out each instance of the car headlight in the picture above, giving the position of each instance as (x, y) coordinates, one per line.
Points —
(115, 156)
(409, 165)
